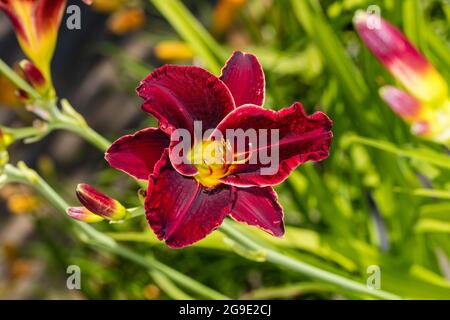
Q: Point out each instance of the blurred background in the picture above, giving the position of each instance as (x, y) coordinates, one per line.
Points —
(381, 198)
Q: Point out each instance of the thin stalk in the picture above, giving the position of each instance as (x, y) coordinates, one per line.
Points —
(303, 268)
(231, 232)
(85, 132)
(169, 288)
(96, 238)
(90, 135)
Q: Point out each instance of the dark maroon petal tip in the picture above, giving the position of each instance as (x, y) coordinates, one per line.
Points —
(138, 153)
(259, 207)
(244, 76)
(179, 95)
(179, 210)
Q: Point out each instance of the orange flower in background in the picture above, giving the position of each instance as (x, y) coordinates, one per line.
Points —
(224, 14)
(8, 96)
(36, 23)
(125, 17)
(425, 102)
(126, 20)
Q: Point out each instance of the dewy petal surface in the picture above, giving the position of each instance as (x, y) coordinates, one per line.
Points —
(301, 138)
(179, 210)
(138, 153)
(259, 207)
(177, 96)
(244, 76)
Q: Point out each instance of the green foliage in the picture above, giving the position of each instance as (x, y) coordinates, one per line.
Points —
(383, 196)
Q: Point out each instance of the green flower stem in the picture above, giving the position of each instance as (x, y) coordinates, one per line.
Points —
(228, 229)
(89, 135)
(36, 133)
(169, 288)
(24, 175)
(76, 124)
(301, 267)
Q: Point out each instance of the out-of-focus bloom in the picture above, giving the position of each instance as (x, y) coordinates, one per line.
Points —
(173, 51)
(21, 199)
(224, 14)
(8, 95)
(151, 292)
(83, 214)
(425, 104)
(186, 202)
(23, 203)
(36, 23)
(5, 141)
(125, 16)
(100, 204)
(16, 266)
(126, 20)
(107, 6)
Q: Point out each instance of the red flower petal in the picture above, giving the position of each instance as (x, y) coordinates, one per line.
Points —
(179, 210)
(178, 96)
(244, 76)
(301, 138)
(34, 18)
(48, 14)
(137, 154)
(259, 207)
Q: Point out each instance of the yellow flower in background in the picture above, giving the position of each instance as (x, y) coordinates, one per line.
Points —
(23, 203)
(173, 51)
(224, 14)
(5, 141)
(107, 6)
(126, 20)
(21, 199)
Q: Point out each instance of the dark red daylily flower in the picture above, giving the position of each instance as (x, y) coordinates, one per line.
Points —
(184, 203)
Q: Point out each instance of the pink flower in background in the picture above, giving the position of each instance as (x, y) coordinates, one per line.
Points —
(186, 202)
(425, 102)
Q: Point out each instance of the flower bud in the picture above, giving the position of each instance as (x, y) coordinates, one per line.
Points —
(33, 75)
(405, 105)
(402, 59)
(100, 203)
(83, 214)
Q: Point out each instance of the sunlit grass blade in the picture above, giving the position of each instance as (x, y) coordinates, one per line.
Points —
(429, 156)
(426, 193)
(312, 19)
(192, 32)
